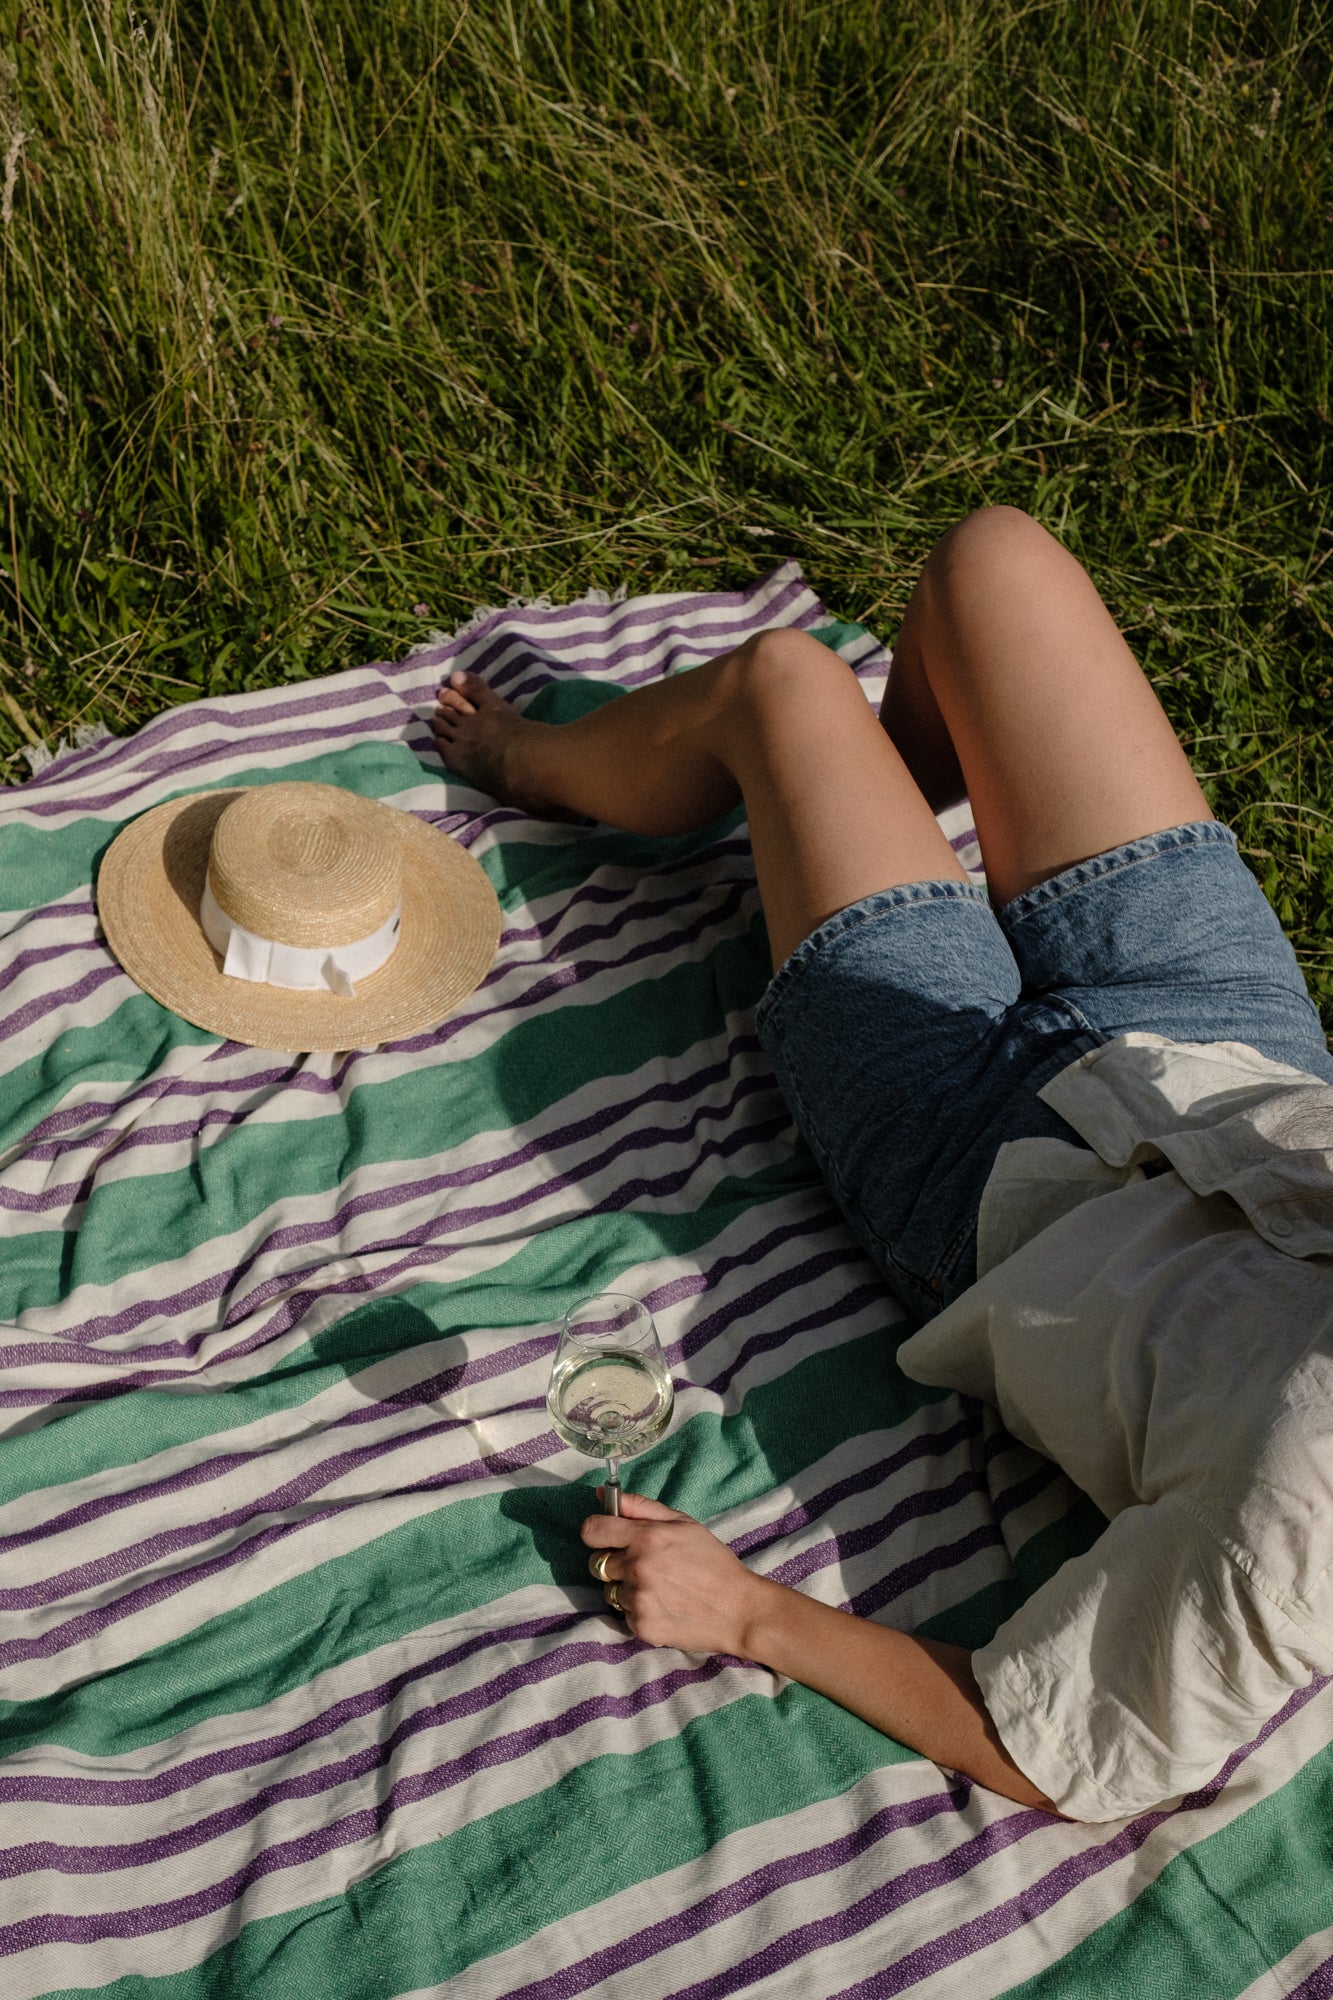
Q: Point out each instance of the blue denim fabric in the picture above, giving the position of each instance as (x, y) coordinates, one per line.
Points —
(912, 1031)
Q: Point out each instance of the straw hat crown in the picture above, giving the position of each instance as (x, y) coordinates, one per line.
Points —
(306, 867)
(307, 864)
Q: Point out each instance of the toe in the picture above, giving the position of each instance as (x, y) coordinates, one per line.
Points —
(452, 702)
(472, 688)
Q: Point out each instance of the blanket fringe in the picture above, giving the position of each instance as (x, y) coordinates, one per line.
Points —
(40, 756)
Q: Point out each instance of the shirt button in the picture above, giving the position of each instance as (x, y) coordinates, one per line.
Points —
(1279, 1226)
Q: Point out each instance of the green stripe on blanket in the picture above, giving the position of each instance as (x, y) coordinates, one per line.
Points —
(448, 1567)
(724, 1772)
(276, 1161)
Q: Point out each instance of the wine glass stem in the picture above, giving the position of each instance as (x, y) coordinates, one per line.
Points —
(612, 1488)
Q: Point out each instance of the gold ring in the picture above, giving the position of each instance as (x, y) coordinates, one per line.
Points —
(597, 1564)
(613, 1599)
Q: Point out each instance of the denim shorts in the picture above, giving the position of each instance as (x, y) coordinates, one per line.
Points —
(911, 1032)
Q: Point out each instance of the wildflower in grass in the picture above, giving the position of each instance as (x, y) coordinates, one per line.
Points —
(421, 611)
(12, 134)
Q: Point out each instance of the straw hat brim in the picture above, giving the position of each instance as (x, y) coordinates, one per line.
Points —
(148, 894)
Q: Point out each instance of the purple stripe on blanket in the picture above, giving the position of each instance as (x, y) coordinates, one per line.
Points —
(87, 1624)
(894, 1893)
(918, 1506)
(626, 661)
(881, 1902)
(87, 1393)
(446, 1382)
(607, 641)
(41, 1788)
(129, 757)
(1024, 1490)
(579, 972)
(743, 1894)
(453, 1220)
(113, 1147)
(235, 713)
(141, 1134)
(293, 1305)
(68, 1858)
(925, 1444)
(523, 691)
(1318, 1985)
(66, 996)
(288, 1072)
(647, 610)
(540, 675)
(34, 955)
(195, 762)
(767, 1343)
(73, 1631)
(296, 1491)
(769, 1292)
(840, 1547)
(45, 913)
(53, 1927)
(911, 1575)
(518, 1355)
(1036, 1898)
(522, 679)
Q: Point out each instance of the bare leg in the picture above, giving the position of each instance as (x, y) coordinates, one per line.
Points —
(1011, 682)
(781, 723)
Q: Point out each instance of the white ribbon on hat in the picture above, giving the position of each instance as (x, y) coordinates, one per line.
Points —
(321, 968)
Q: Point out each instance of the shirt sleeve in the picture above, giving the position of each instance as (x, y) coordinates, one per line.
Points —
(1140, 1668)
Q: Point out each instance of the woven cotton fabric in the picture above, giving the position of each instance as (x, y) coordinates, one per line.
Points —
(307, 1689)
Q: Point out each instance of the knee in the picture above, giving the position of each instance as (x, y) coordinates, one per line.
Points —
(781, 662)
(993, 540)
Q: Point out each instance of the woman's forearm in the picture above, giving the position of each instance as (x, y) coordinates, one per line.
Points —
(677, 1585)
(920, 1691)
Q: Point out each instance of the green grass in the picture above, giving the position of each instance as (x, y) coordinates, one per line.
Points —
(314, 313)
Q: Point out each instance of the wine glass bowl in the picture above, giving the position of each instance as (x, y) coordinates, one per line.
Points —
(610, 1393)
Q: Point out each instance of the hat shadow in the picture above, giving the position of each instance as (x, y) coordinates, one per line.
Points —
(186, 844)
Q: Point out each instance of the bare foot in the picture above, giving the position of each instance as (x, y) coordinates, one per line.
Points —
(483, 737)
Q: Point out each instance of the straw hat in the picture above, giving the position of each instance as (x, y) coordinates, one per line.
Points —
(341, 922)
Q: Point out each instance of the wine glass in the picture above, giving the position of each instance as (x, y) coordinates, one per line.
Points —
(610, 1393)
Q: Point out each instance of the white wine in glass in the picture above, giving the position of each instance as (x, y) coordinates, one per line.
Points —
(610, 1393)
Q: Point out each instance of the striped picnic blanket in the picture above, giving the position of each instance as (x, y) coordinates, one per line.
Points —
(307, 1691)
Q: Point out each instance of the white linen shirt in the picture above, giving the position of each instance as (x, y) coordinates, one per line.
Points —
(1168, 1341)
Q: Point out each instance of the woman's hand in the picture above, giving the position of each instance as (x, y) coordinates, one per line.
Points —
(675, 1583)
(678, 1585)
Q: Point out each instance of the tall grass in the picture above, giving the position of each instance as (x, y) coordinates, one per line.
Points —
(323, 322)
